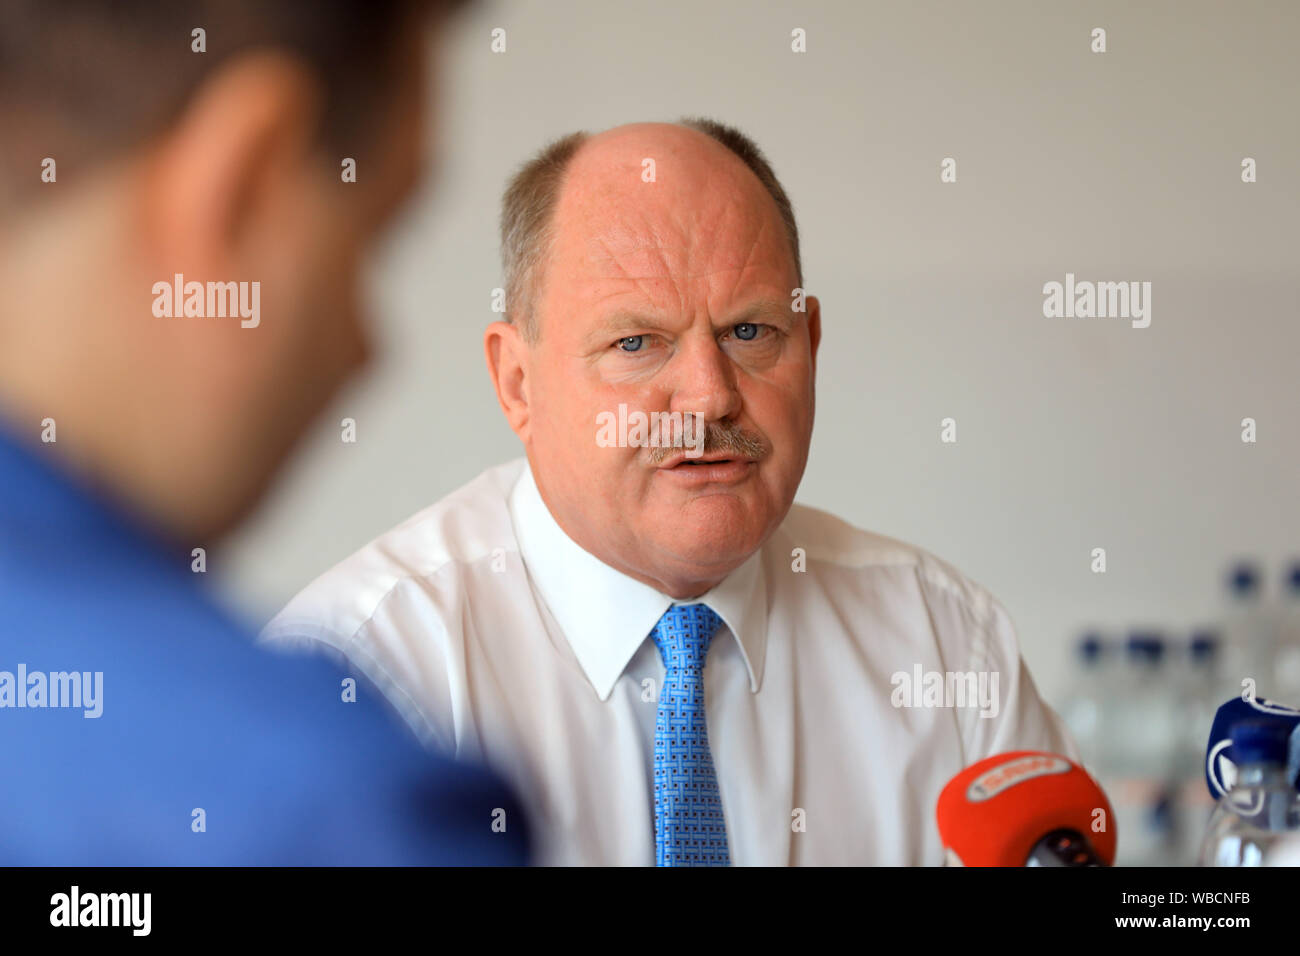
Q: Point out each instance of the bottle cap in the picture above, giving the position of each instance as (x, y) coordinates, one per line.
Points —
(1261, 741)
(1203, 645)
(1293, 578)
(1145, 646)
(1090, 648)
(1243, 579)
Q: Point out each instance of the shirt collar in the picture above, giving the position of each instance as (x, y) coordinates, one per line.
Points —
(606, 615)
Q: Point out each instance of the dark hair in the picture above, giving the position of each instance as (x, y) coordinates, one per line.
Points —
(81, 79)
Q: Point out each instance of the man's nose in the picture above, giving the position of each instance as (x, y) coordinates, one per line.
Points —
(704, 381)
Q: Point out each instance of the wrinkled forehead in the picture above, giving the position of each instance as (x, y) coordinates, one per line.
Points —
(677, 216)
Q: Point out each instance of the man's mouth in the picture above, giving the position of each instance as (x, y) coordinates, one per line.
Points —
(708, 469)
(681, 460)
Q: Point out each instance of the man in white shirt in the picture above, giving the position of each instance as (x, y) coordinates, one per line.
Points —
(554, 616)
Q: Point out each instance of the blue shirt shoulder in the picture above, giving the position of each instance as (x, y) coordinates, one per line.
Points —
(139, 724)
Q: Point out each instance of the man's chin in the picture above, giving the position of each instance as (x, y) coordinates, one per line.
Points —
(711, 551)
(716, 515)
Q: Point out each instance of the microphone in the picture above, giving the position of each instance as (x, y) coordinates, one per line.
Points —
(1220, 758)
(1026, 808)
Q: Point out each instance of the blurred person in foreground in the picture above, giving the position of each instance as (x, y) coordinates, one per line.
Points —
(148, 146)
(679, 665)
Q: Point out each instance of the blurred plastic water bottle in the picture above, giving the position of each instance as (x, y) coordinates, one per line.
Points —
(1089, 698)
(1249, 646)
(1141, 731)
(1287, 660)
(1262, 809)
(1197, 700)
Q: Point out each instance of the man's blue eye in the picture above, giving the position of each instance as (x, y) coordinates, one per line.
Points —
(746, 331)
(632, 343)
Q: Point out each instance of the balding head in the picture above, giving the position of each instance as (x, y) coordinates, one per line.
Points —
(531, 199)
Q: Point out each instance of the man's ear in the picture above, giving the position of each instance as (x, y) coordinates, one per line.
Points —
(814, 327)
(239, 148)
(506, 355)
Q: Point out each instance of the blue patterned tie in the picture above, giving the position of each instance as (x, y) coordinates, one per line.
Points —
(689, 827)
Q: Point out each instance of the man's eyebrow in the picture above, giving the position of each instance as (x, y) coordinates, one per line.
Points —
(763, 309)
(622, 320)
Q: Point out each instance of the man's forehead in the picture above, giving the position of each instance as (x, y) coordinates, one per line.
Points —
(697, 210)
(699, 250)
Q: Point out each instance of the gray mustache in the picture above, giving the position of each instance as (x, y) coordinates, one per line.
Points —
(719, 437)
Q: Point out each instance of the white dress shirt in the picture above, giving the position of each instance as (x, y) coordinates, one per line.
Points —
(501, 639)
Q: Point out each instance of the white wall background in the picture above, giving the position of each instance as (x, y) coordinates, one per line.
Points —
(1072, 434)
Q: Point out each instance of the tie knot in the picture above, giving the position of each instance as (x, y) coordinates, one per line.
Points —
(683, 634)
